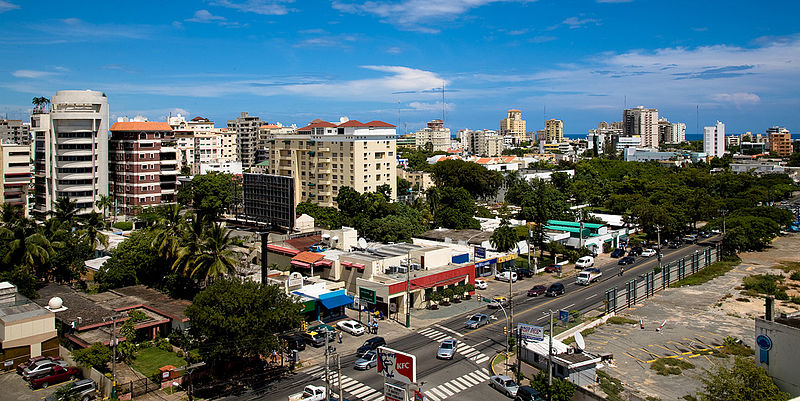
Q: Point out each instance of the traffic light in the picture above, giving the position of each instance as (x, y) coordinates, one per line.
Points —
(480, 299)
(505, 330)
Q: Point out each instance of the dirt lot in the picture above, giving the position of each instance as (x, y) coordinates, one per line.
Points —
(698, 319)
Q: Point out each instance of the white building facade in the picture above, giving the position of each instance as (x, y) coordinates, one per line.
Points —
(714, 140)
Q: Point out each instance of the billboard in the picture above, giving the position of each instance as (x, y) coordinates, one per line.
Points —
(531, 333)
(396, 365)
(269, 199)
(393, 392)
(480, 252)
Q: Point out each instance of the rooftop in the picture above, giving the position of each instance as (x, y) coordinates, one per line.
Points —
(138, 126)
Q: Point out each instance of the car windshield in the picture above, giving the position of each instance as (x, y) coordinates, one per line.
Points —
(447, 345)
(369, 355)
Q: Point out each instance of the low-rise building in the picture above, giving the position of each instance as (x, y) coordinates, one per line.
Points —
(778, 349)
(780, 141)
(572, 364)
(420, 180)
(26, 328)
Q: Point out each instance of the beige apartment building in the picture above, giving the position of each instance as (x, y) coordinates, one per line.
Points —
(324, 157)
(15, 131)
(554, 131)
(198, 142)
(15, 174)
(513, 126)
(486, 143)
(780, 141)
(266, 133)
(643, 122)
(435, 137)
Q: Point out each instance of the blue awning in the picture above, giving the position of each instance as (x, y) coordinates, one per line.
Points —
(336, 301)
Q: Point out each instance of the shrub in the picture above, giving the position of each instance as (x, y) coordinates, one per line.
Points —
(670, 366)
(795, 276)
(179, 354)
(763, 284)
(164, 345)
(137, 315)
(620, 320)
(124, 225)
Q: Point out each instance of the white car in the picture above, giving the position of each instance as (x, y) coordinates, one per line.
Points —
(505, 276)
(480, 284)
(648, 253)
(352, 327)
(584, 262)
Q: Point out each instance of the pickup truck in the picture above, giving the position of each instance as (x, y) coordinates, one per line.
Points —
(58, 374)
(588, 276)
(310, 393)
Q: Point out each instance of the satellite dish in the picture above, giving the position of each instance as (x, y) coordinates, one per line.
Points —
(579, 341)
(362, 243)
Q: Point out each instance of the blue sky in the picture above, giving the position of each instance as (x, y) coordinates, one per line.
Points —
(293, 61)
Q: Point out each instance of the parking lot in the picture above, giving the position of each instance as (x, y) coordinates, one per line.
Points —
(15, 388)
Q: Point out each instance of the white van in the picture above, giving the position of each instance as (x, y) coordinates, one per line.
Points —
(584, 262)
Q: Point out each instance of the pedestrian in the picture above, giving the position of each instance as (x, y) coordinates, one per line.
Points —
(340, 337)
(375, 327)
(72, 327)
(274, 357)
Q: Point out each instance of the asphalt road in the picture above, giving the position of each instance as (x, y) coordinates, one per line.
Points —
(466, 376)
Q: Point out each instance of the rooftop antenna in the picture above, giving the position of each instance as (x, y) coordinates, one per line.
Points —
(444, 105)
(697, 120)
(625, 101)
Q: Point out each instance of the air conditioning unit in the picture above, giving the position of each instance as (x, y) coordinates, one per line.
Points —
(402, 269)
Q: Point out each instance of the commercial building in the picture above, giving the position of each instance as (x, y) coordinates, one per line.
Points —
(714, 140)
(15, 174)
(778, 348)
(435, 137)
(484, 143)
(322, 157)
(641, 122)
(621, 143)
(71, 150)
(26, 329)
(553, 131)
(143, 165)
(246, 128)
(15, 131)
(514, 126)
(780, 141)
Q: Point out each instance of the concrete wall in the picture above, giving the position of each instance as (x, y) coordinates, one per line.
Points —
(783, 356)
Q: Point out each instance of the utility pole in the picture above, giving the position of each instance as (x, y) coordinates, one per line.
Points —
(519, 356)
(528, 242)
(550, 360)
(327, 373)
(264, 252)
(114, 350)
(408, 290)
(339, 374)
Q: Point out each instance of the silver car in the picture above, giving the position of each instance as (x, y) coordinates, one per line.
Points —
(41, 367)
(504, 384)
(477, 320)
(367, 361)
(447, 349)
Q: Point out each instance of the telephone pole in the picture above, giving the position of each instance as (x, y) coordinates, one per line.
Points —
(550, 360)
(339, 374)
(327, 373)
(113, 343)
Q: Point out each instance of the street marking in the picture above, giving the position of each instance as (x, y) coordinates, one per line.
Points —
(591, 296)
(449, 330)
(634, 357)
(569, 306)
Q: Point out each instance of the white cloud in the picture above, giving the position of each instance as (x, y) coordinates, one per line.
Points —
(75, 29)
(32, 74)
(394, 50)
(739, 98)
(204, 16)
(433, 106)
(263, 7)
(575, 22)
(327, 41)
(6, 6)
(614, 1)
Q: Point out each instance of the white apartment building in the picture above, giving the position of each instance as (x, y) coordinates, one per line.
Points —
(732, 141)
(485, 143)
(642, 122)
(435, 137)
(246, 128)
(322, 157)
(15, 174)
(15, 131)
(199, 142)
(71, 150)
(714, 140)
(678, 132)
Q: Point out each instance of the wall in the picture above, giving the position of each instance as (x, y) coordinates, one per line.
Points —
(783, 356)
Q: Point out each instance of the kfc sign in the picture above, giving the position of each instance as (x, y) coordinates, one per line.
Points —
(397, 365)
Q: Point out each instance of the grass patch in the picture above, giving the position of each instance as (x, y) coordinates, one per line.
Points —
(743, 299)
(149, 360)
(767, 284)
(621, 320)
(708, 273)
(610, 385)
(670, 366)
(651, 398)
(734, 346)
(790, 267)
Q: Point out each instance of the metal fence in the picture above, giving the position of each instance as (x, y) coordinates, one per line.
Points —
(647, 284)
(139, 387)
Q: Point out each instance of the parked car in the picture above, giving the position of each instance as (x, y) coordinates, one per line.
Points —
(527, 393)
(635, 251)
(30, 362)
(294, 341)
(371, 345)
(367, 360)
(584, 262)
(352, 327)
(674, 244)
(618, 253)
(524, 272)
(628, 260)
(552, 268)
(480, 284)
(506, 275)
(648, 253)
(57, 374)
(317, 338)
(537, 290)
(504, 384)
(690, 239)
(447, 349)
(477, 320)
(41, 367)
(705, 234)
(555, 290)
(83, 390)
(498, 301)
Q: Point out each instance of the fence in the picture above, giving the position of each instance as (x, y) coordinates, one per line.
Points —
(138, 387)
(646, 285)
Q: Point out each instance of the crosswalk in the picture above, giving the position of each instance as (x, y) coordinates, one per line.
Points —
(468, 351)
(457, 385)
(354, 388)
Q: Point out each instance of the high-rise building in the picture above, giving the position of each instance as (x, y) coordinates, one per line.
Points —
(486, 143)
(435, 137)
(678, 133)
(554, 131)
(143, 165)
(14, 131)
(714, 140)
(266, 133)
(642, 122)
(71, 150)
(664, 131)
(15, 174)
(246, 128)
(199, 142)
(780, 141)
(514, 126)
(323, 157)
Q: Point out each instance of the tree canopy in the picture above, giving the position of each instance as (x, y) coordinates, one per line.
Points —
(477, 180)
(744, 381)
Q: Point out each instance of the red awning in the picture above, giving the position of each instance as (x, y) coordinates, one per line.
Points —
(300, 264)
(323, 262)
(280, 249)
(359, 266)
(348, 264)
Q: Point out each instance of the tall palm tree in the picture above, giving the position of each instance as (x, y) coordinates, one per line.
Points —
(104, 203)
(90, 232)
(168, 230)
(65, 210)
(25, 247)
(12, 214)
(216, 257)
(192, 231)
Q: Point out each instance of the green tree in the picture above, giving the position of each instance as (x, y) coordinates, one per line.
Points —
(251, 313)
(216, 258)
(96, 356)
(126, 350)
(133, 262)
(453, 208)
(504, 238)
(104, 203)
(562, 390)
(474, 178)
(213, 193)
(65, 211)
(744, 381)
(168, 228)
(403, 186)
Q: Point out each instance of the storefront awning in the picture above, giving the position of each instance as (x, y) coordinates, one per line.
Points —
(300, 264)
(336, 301)
(359, 266)
(323, 262)
(347, 264)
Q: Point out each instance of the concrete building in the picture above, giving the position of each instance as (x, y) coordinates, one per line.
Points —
(642, 122)
(15, 131)
(778, 348)
(553, 131)
(714, 140)
(246, 128)
(621, 143)
(678, 133)
(407, 141)
(71, 150)
(26, 329)
(732, 141)
(484, 143)
(143, 165)
(15, 174)
(514, 126)
(323, 157)
(266, 133)
(228, 145)
(435, 137)
(420, 180)
(780, 141)
(198, 142)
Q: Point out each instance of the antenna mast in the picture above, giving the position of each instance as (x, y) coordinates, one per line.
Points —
(444, 105)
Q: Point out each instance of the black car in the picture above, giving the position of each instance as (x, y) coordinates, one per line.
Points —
(705, 234)
(636, 251)
(555, 290)
(527, 393)
(618, 253)
(524, 272)
(675, 244)
(371, 344)
(628, 260)
(294, 342)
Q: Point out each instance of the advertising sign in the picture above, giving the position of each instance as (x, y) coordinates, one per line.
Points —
(366, 294)
(419, 396)
(480, 252)
(393, 392)
(563, 316)
(531, 333)
(397, 365)
(486, 262)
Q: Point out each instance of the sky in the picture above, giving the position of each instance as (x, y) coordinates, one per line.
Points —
(292, 61)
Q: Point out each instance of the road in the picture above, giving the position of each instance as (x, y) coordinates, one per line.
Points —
(465, 377)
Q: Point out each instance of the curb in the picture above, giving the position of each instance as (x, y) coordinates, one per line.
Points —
(571, 332)
(491, 362)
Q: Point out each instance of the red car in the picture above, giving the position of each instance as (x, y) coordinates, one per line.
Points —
(552, 268)
(57, 375)
(537, 290)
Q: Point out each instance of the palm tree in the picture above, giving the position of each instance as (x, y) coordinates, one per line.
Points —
(12, 214)
(104, 203)
(25, 247)
(192, 230)
(216, 256)
(168, 230)
(91, 233)
(504, 238)
(65, 211)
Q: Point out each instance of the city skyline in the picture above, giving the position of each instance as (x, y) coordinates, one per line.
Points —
(292, 62)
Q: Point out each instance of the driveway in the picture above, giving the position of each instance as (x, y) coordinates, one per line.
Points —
(14, 388)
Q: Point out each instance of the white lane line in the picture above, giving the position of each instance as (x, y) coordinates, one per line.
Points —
(478, 375)
(485, 372)
(430, 397)
(569, 306)
(435, 391)
(374, 397)
(467, 380)
(449, 330)
(484, 341)
(470, 354)
(426, 330)
(591, 296)
(482, 359)
(445, 390)
(462, 383)
(455, 386)
(361, 391)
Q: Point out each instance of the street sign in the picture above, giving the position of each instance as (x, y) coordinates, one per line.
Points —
(368, 295)
(531, 333)
(393, 392)
(397, 365)
(418, 395)
(563, 316)
(480, 252)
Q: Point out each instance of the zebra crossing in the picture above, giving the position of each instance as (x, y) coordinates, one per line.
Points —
(463, 348)
(354, 388)
(457, 385)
